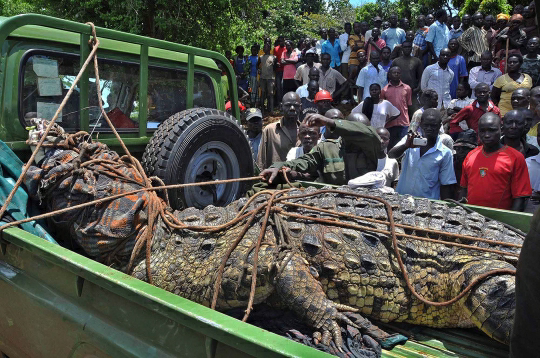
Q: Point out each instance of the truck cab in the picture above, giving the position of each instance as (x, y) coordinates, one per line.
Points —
(143, 81)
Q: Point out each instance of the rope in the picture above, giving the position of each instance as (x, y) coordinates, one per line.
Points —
(49, 126)
(438, 232)
(400, 260)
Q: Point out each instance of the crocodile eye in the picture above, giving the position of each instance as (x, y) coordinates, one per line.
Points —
(314, 271)
(311, 245)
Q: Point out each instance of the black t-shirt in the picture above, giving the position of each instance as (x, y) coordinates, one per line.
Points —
(530, 150)
(411, 70)
(308, 106)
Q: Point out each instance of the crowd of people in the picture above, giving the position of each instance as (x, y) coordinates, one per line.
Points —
(453, 105)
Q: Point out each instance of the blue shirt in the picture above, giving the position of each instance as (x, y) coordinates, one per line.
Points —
(369, 75)
(386, 68)
(253, 65)
(422, 176)
(420, 38)
(438, 35)
(393, 36)
(454, 34)
(459, 67)
(333, 51)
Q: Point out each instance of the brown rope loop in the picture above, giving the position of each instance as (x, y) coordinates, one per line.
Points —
(283, 171)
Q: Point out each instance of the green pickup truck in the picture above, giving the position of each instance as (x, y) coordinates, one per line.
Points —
(57, 303)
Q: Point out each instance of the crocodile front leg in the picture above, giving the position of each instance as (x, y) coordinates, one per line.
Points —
(297, 289)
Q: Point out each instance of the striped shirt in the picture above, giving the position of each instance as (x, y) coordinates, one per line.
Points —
(474, 39)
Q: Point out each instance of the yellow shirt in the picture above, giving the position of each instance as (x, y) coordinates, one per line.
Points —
(261, 51)
(507, 86)
(533, 132)
(355, 40)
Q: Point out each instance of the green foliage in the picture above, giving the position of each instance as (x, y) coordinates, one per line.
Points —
(492, 7)
(222, 24)
(368, 11)
(15, 7)
(311, 6)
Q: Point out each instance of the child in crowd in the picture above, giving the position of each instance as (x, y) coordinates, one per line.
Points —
(463, 98)
(267, 65)
(240, 62)
(386, 62)
(253, 61)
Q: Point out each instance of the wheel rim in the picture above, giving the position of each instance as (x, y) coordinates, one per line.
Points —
(213, 161)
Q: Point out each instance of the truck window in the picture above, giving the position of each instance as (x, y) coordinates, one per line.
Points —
(203, 92)
(47, 77)
(167, 93)
(119, 85)
(45, 81)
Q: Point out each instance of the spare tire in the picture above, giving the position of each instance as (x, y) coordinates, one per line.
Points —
(196, 145)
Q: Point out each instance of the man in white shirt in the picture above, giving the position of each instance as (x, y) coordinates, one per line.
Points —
(381, 111)
(313, 75)
(302, 72)
(344, 45)
(439, 77)
(390, 167)
(324, 37)
(372, 73)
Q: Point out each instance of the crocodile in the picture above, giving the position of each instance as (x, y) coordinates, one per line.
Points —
(322, 271)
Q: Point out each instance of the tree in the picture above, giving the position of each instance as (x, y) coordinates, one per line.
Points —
(15, 7)
(492, 7)
(368, 11)
(312, 6)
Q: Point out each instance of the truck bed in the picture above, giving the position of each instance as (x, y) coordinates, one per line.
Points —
(57, 303)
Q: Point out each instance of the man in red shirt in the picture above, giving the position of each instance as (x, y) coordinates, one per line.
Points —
(279, 50)
(470, 114)
(494, 174)
(400, 95)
